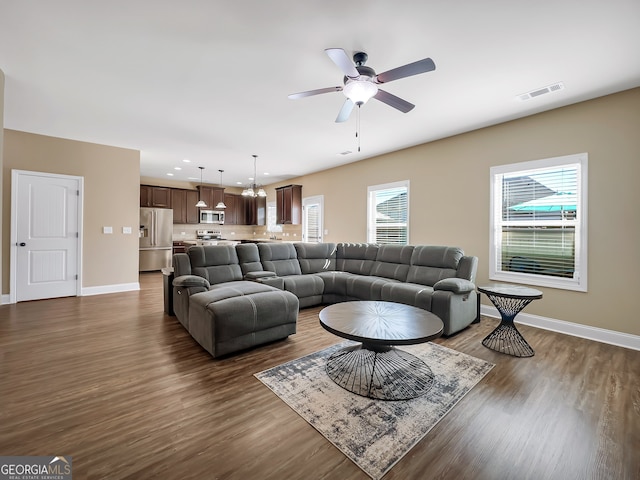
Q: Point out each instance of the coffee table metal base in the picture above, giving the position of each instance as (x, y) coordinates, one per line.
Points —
(385, 373)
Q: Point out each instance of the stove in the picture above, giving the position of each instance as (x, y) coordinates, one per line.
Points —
(208, 235)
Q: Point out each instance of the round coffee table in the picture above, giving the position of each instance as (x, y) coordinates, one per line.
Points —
(376, 369)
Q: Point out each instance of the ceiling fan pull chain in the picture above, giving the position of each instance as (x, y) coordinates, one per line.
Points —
(358, 127)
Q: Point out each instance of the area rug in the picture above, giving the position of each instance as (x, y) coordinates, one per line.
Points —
(374, 434)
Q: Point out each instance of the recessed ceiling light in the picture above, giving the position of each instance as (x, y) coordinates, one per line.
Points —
(186, 160)
(192, 178)
(170, 174)
(177, 168)
(238, 183)
(266, 173)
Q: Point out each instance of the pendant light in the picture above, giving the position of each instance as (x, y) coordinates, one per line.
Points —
(221, 205)
(254, 189)
(201, 203)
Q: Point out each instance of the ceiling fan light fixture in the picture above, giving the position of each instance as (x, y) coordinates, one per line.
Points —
(360, 91)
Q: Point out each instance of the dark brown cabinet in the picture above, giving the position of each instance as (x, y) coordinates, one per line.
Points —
(179, 202)
(184, 206)
(255, 210)
(289, 205)
(211, 196)
(231, 216)
(157, 197)
(193, 212)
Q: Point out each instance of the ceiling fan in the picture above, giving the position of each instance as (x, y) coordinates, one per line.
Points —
(361, 82)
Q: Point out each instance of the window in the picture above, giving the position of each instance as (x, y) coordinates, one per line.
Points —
(539, 222)
(312, 218)
(388, 213)
(271, 218)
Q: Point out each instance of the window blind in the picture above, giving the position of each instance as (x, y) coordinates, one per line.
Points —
(390, 207)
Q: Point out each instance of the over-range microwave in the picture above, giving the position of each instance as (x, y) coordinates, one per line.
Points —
(212, 216)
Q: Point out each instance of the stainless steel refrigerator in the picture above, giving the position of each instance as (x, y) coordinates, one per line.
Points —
(156, 238)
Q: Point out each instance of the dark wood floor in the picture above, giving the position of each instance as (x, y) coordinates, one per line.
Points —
(122, 388)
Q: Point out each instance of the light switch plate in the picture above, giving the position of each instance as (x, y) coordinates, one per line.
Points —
(126, 230)
(107, 230)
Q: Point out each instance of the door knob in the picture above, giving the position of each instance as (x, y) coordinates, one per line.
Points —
(22, 244)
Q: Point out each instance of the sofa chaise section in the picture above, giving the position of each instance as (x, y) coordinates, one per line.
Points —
(223, 312)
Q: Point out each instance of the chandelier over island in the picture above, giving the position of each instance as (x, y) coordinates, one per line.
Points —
(254, 189)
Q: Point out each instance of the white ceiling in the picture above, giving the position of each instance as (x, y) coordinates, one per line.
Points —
(208, 80)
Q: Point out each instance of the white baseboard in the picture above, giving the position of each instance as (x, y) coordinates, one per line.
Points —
(87, 291)
(116, 288)
(625, 340)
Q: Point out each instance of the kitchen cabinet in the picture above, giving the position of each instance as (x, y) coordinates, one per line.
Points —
(184, 206)
(231, 214)
(179, 204)
(289, 205)
(179, 247)
(193, 212)
(157, 197)
(211, 196)
(255, 210)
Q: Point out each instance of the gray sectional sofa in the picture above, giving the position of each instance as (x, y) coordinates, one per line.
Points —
(231, 298)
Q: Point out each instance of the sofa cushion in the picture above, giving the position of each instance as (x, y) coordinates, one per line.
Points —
(248, 257)
(217, 263)
(430, 264)
(392, 262)
(366, 287)
(412, 294)
(280, 258)
(356, 257)
(316, 257)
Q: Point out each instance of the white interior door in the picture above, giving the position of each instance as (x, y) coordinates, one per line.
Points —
(45, 234)
(312, 218)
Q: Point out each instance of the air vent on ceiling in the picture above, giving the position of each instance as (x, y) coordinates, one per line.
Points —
(541, 91)
(346, 152)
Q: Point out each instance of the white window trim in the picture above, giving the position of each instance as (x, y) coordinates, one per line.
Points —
(371, 211)
(495, 273)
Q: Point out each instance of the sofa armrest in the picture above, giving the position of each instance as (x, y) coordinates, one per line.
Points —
(258, 275)
(188, 281)
(455, 285)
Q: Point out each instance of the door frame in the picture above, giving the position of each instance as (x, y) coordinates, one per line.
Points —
(13, 244)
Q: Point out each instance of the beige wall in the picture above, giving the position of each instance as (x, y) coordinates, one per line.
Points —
(2, 262)
(111, 198)
(449, 198)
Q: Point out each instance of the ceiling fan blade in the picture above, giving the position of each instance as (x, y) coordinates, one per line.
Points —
(345, 111)
(310, 93)
(393, 101)
(415, 68)
(342, 60)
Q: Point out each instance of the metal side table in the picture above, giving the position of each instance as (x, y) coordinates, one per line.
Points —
(509, 300)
